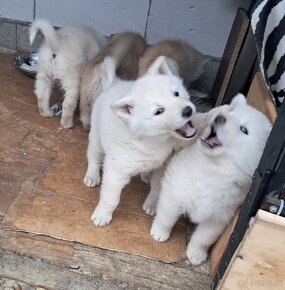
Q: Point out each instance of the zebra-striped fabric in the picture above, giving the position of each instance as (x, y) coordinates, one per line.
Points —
(268, 25)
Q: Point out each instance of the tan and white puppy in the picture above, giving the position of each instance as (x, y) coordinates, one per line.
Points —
(125, 49)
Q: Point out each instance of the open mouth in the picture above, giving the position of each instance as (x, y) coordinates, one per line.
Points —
(186, 131)
(212, 140)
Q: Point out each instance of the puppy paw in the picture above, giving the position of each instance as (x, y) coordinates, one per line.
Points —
(100, 217)
(86, 127)
(66, 123)
(91, 181)
(145, 177)
(86, 124)
(149, 207)
(46, 113)
(196, 256)
(159, 234)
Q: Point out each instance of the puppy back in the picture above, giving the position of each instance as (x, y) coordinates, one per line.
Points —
(125, 49)
(189, 61)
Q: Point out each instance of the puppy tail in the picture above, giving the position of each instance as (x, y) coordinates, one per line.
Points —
(108, 71)
(47, 30)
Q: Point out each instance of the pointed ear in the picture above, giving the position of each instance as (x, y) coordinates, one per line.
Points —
(238, 100)
(159, 67)
(123, 108)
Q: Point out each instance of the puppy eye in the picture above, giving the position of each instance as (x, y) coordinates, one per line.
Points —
(176, 94)
(244, 130)
(158, 111)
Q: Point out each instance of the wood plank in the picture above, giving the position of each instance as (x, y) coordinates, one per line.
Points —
(36, 244)
(259, 263)
(95, 268)
(231, 52)
(260, 98)
(240, 78)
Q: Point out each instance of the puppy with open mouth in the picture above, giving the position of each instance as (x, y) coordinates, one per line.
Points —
(212, 140)
(135, 125)
(209, 180)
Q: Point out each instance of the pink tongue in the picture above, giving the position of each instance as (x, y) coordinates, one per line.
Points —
(189, 131)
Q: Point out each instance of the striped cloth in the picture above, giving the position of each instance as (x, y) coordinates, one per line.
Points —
(268, 25)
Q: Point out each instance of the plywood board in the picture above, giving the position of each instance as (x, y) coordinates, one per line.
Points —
(259, 262)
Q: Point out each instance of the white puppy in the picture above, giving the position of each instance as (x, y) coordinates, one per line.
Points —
(210, 179)
(136, 124)
(62, 56)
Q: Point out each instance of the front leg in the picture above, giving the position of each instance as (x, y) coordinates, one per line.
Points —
(95, 158)
(151, 201)
(112, 185)
(167, 214)
(203, 237)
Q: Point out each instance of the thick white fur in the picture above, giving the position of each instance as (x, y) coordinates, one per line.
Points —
(62, 56)
(200, 122)
(209, 184)
(133, 139)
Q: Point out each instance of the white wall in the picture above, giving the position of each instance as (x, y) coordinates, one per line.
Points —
(108, 16)
(204, 23)
(17, 9)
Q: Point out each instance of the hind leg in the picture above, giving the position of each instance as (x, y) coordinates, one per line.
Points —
(151, 201)
(43, 87)
(85, 107)
(71, 87)
(91, 88)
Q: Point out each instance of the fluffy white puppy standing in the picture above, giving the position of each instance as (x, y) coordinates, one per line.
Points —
(136, 124)
(62, 56)
(210, 179)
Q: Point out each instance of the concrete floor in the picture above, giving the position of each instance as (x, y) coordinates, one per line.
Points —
(30, 145)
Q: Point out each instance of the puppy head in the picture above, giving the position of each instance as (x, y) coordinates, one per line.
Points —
(238, 131)
(158, 104)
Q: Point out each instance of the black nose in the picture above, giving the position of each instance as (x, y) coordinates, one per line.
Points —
(187, 112)
(220, 119)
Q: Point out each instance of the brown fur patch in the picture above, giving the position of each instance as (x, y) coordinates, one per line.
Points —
(189, 61)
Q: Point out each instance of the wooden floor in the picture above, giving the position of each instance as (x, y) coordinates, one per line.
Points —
(46, 237)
